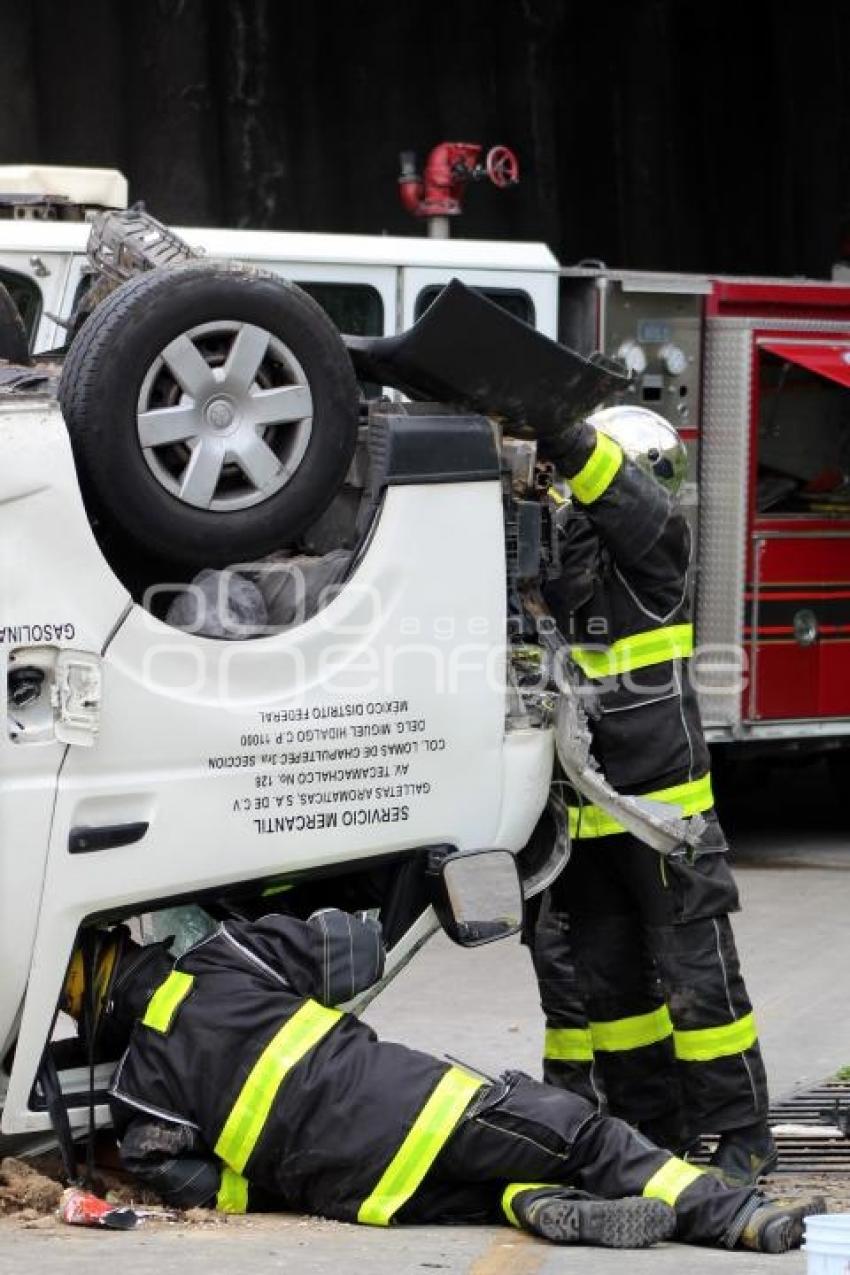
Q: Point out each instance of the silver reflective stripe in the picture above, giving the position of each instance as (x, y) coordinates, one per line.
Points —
(252, 957)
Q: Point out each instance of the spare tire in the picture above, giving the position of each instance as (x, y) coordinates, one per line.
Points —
(213, 411)
(13, 334)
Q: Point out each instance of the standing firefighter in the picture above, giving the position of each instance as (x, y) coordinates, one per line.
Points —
(652, 938)
(241, 1086)
(635, 956)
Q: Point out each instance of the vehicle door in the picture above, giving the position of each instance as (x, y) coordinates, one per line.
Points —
(528, 295)
(359, 300)
(797, 622)
(374, 727)
(36, 283)
(59, 602)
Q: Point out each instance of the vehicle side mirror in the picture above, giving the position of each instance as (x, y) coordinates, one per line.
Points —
(477, 896)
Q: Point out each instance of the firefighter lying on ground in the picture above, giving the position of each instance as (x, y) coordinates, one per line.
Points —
(241, 1086)
(639, 975)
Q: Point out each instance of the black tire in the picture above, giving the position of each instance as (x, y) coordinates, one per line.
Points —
(13, 335)
(114, 357)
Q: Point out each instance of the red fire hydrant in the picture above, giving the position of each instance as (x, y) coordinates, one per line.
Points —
(438, 193)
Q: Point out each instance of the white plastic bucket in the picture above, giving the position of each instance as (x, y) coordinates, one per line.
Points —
(827, 1244)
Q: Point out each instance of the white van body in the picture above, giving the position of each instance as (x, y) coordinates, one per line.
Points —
(379, 725)
(394, 271)
(159, 766)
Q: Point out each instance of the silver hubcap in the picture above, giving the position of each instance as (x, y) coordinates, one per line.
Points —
(224, 416)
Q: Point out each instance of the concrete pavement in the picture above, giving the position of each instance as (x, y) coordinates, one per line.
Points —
(328, 1248)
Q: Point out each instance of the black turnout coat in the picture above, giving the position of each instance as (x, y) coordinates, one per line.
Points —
(330, 1131)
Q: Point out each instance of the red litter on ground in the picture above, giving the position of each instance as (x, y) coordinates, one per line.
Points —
(81, 1208)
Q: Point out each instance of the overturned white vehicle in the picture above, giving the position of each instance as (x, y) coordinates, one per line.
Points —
(364, 719)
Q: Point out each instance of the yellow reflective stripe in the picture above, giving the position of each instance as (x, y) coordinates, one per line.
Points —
(707, 1043)
(632, 1033)
(692, 797)
(251, 1109)
(568, 1044)
(671, 1180)
(232, 1193)
(655, 646)
(277, 889)
(556, 497)
(167, 998)
(598, 473)
(516, 1188)
(429, 1134)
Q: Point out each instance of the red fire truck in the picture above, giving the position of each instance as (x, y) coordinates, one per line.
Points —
(755, 375)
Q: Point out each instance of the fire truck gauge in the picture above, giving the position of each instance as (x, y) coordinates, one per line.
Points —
(633, 356)
(674, 358)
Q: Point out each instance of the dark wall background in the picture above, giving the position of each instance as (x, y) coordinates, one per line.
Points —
(656, 133)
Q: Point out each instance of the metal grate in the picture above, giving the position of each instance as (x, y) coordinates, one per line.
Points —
(827, 1104)
(819, 1142)
(801, 1153)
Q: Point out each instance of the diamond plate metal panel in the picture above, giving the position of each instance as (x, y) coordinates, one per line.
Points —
(723, 521)
(770, 324)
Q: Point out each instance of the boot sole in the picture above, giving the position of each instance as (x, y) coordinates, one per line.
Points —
(631, 1223)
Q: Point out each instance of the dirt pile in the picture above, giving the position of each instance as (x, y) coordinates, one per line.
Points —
(25, 1190)
(834, 1187)
(30, 1191)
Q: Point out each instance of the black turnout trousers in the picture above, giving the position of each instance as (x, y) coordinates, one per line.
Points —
(648, 942)
(521, 1131)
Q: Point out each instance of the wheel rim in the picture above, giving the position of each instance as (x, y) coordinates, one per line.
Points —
(224, 416)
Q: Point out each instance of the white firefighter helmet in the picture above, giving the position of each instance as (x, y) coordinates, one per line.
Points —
(647, 439)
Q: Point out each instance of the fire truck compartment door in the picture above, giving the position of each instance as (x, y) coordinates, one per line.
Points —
(799, 627)
(825, 358)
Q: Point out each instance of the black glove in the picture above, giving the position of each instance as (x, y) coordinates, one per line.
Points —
(173, 1161)
(348, 951)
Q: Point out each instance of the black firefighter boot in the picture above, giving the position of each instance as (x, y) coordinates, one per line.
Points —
(671, 1134)
(565, 1216)
(775, 1227)
(744, 1155)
